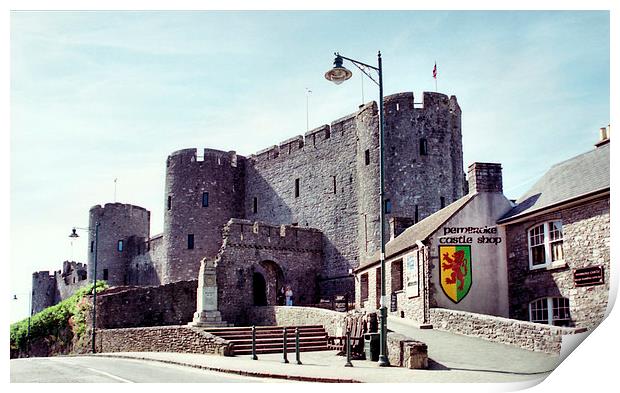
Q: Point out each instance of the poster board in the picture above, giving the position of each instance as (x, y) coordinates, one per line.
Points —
(413, 276)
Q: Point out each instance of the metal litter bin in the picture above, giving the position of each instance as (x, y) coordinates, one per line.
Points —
(371, 346)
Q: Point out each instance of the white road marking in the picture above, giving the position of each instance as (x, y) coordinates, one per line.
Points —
(109, 375)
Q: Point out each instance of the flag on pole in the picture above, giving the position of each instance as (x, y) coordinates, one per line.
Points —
(435, 71)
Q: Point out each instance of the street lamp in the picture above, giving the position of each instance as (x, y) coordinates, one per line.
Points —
(29, 316)
(74, 235)
(339, 74)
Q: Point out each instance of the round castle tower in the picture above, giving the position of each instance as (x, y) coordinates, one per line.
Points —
(423, 155)
(43, 291)
(122, 227)
(202, 194)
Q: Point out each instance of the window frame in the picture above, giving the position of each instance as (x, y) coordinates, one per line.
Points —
(364, 286)
(552, 307)
(546, 243)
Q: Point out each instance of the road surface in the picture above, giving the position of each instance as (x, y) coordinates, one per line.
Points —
(107, 370)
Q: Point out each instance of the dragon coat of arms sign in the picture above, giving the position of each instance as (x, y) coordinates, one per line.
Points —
(455, 271)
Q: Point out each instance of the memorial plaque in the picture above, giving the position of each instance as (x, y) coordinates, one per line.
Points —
(587, 276)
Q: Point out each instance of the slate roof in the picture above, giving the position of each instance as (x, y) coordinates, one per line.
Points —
(579, 176)
(420, 231)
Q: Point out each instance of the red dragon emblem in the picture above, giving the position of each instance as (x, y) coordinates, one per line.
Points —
(458, 265)
(455, 274)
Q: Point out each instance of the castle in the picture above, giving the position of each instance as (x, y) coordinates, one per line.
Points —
(303, 213)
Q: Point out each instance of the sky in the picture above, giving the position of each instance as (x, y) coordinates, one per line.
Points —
(98, 96)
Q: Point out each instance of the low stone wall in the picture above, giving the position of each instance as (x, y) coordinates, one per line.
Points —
(406, 352)
(124, 307)
(161, 339)
(523, 334)
(332, 321)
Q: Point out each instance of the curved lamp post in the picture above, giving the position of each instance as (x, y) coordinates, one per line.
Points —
(74, 234)
(339, 74)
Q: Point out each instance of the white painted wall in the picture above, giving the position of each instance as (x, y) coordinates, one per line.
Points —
(489, 289)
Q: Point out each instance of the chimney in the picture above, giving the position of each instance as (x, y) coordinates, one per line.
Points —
(604, 136)
(484, 177)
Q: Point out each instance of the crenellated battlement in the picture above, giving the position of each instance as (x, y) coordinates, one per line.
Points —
(317, 138)
(209, 157)
(257, 234)
(115, 208)
(42, 275)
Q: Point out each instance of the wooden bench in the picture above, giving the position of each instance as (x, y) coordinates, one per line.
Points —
(357, 327)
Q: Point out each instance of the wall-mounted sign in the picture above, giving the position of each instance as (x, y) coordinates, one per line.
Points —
(587, 276)
(455, 271)
(393, 302)
(413, 278)
(470, 235)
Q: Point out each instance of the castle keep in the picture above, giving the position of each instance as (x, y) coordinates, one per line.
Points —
(303, 213)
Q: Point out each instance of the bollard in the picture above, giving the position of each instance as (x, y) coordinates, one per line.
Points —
(348, 344)
(254, 357)
(297, 357)
(284, 346)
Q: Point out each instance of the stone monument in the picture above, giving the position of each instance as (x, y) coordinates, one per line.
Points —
(207, 314)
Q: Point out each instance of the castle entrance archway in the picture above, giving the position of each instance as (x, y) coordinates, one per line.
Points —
(274, 277)
(259, 289)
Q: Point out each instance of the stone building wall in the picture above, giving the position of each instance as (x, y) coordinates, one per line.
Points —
(281, 255)
(586, 243)
(118, 222)
(182, 339)
(188, 177)
(526, 335)
(410, 307)
(123, 307)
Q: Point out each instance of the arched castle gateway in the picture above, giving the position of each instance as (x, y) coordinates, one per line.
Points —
(303, 212)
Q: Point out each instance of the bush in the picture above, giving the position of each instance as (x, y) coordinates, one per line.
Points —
(51, 322)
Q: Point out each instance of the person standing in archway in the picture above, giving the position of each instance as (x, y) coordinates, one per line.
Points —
(280, 297)
(289, 295)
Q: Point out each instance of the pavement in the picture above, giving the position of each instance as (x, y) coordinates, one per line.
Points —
(452, 358)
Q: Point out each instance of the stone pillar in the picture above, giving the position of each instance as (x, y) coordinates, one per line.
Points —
(207, 314)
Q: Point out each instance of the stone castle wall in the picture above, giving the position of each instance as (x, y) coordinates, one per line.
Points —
(281, 255)
(586, 243)
(123, 307)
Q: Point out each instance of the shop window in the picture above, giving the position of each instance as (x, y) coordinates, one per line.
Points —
(364, 287)
(551, 311)
(396, 270)
(545, 243)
